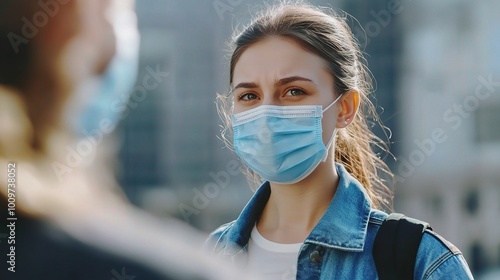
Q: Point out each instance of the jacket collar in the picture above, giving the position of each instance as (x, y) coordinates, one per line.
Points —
(343, 226)
(345, 222)
(238, 235)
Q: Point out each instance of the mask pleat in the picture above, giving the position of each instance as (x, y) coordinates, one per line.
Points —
(280, 143)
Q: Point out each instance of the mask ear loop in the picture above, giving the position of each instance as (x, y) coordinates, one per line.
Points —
(331, 104)
(334, 130)
(228, 94)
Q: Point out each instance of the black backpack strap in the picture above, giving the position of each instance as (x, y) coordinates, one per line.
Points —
(396, 245)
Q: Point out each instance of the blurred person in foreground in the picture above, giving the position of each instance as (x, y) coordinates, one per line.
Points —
(63, 216)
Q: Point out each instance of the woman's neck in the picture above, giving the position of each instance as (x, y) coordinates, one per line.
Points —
(293, 210)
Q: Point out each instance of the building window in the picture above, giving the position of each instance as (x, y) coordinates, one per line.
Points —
(478, 261)
(437, 205)
(498, 257)
(487, 118)
(471, 201)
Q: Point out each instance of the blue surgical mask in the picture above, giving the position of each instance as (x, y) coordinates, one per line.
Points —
(282, 144)
(95, 97)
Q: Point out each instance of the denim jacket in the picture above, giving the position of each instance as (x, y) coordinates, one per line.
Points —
(340, 246)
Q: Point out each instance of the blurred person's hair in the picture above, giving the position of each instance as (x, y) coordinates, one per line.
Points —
(25, 61)
(33, 49)
(326, 34)
(15, 61)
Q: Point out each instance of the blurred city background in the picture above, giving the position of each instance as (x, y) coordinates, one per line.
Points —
(436, 66)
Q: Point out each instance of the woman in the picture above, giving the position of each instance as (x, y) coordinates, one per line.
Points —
(298, 114)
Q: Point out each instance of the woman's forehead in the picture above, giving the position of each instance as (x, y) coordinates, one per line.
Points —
(275, 58)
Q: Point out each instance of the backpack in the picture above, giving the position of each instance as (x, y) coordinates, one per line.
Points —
(396, 245)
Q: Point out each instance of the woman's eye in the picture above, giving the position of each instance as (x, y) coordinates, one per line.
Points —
(248, 97)
(294, 92)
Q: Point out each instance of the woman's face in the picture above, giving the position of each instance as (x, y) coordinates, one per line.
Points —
(278, 71)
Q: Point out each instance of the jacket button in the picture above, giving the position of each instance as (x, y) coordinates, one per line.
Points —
(315, 257)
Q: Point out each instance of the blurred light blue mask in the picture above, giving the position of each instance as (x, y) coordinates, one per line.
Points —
(99, 94)
(282, 144)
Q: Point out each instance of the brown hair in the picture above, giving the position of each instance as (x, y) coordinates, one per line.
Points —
(28, 65)
(327, 35)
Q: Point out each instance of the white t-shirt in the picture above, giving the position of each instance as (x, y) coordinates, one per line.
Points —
(270, 260)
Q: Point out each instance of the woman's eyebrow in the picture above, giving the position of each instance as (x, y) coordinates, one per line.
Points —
(280, 82)
(245, 85)
(287, 80)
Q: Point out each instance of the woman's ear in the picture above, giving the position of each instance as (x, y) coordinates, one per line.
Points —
(349, 104)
